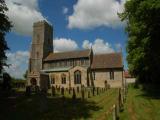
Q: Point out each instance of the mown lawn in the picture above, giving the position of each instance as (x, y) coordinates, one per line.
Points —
(17, 106)
(140, 106)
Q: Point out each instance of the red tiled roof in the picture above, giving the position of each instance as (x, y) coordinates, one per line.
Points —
(111, 60)
(68, 55)
(127, 74)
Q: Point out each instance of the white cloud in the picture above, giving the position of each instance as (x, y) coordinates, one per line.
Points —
(65, 10)
(95, 13)
(99, 46)
(23, 13)
(63, 44)
(18, 62)
(86, 44)
(118, 46)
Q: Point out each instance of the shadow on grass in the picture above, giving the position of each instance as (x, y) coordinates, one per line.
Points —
(40, 107)
(149, 91)
(153, 94)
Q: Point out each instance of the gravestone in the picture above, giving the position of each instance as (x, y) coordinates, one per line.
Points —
(82, 92)
(93, 91)
(28, 91)
(89, 94)
(97, 91)
(62, 91)
(74, 94)
(69, 91)
(53, 91)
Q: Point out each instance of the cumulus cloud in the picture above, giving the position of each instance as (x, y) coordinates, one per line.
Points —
(99, 46)
(65, 10)
(23, 13)
(64, 44)
(95, 13)
(18, 62)
(118, 46)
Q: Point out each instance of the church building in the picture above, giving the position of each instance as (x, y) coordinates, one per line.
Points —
(70, 69)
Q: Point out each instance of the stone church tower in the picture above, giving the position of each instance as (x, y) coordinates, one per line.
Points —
(42, 45)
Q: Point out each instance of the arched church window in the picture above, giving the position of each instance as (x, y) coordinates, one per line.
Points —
(63, 78)
(77, 77)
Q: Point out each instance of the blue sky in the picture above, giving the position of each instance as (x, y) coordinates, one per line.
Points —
(78, 24)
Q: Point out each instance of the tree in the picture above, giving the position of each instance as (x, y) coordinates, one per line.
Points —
(25, 74)
(6, 81)
(143, 28)
(5, 26)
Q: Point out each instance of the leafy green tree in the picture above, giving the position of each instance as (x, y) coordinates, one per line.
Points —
(25, 74)
(143, 28)
(5, 26)
(6, 81)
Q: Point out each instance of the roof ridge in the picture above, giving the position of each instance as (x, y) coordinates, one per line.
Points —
(68, 55)
(71, 51)
(107, 53)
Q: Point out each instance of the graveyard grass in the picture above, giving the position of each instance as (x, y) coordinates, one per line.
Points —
(38, 107)
(141, 106)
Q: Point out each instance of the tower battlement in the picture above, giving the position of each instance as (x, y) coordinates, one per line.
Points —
(42, 23)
